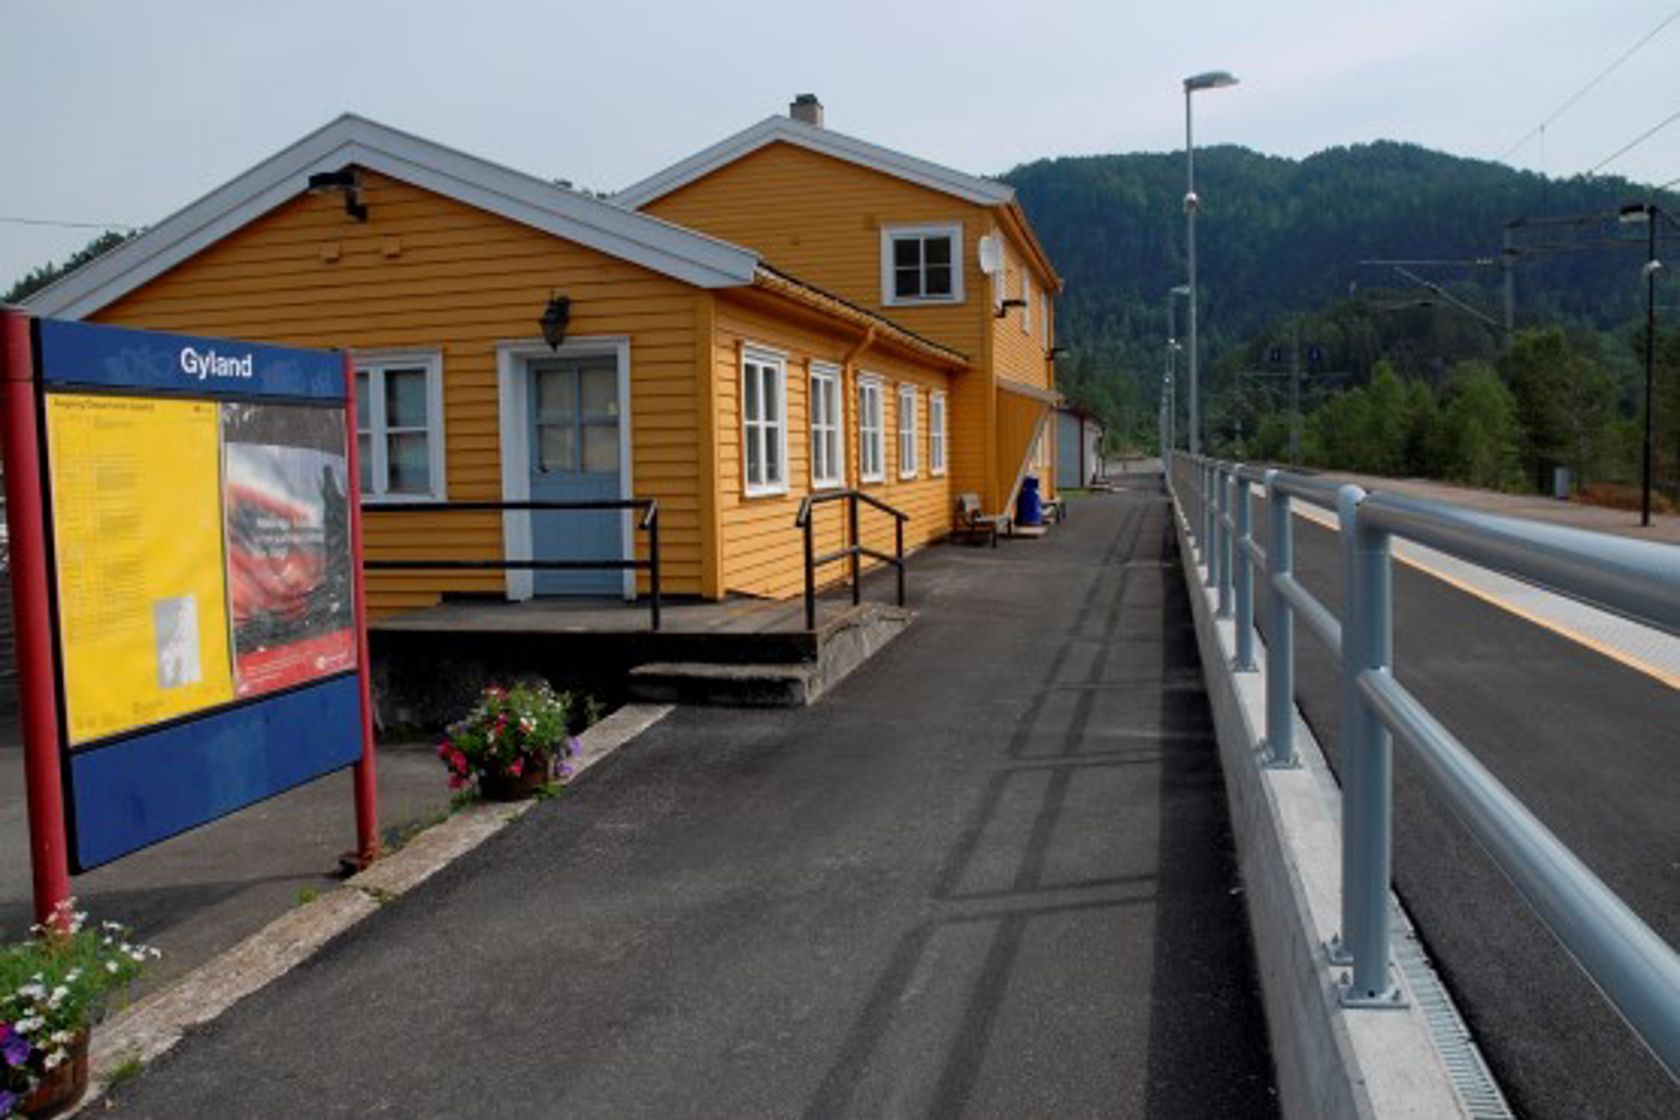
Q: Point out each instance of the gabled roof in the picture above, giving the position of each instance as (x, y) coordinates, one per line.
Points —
(972, 188)
(598, 224)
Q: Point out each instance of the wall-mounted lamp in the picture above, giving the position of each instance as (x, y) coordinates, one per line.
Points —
(553, 321)
(1057, 351)
(345, 180)
(1003, 308)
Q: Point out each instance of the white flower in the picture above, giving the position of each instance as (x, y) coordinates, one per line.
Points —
(111, 966)
(72, 976)
(56, 1058)
(29, 1024)
(61, 1038)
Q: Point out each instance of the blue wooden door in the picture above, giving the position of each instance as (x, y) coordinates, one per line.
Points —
(575, 458)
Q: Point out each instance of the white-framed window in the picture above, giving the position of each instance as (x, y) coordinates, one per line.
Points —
(399, 425)
(828, 457)
(1026, 302)
(871, 449)
(921, 264)
(764, 422)
(907, 464)
(936, 433)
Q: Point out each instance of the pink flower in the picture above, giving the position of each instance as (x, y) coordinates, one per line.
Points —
(456, 781)
(517, 767)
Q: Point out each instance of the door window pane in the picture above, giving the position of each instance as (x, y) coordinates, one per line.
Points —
(600, 392)
(556, 447)
(405, 398)
(408, 463)
(600, 448)
(364, 419)
(556, 393)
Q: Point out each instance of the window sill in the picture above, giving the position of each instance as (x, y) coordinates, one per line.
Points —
(871, 479)
(826, 484)
(374, 501)
(923, 301)
(751, 493)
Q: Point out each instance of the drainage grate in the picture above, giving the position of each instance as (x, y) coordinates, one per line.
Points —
(1463, 1059)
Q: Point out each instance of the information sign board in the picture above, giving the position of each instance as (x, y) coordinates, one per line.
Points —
(201, 529)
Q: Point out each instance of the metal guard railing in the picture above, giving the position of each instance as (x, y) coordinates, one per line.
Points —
(647, 523)
(1634, 967)
(853, 551)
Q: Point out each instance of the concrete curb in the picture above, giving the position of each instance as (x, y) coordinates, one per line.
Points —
(156, 1023)
(1330, 1061)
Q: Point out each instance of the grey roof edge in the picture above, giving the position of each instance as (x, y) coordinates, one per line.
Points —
(596, 223)
(972, 188)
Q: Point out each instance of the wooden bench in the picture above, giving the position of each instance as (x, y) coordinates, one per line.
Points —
(972, 521)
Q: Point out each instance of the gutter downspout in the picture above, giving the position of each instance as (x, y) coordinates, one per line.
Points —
(848, 378)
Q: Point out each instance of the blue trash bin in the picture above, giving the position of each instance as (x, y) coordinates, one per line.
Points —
(1029, 509)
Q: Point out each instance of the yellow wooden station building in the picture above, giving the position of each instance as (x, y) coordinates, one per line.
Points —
(787, 312)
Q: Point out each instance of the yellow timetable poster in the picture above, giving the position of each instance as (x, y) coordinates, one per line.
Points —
(137, 534)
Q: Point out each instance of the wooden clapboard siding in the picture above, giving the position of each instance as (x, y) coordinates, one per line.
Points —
(1019, 421)
(762, 552)
(427, 272)
(820, 219)
(1019, 355)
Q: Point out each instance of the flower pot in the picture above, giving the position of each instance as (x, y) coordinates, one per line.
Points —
(62, 1087)
(511, 787)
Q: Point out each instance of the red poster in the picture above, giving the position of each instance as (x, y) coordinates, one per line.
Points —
(288, 544)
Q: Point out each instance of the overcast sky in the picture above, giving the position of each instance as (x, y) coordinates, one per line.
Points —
(126, 110)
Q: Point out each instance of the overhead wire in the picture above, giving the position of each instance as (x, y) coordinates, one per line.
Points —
(1635, 142)
(1569, 102)
(64, 224)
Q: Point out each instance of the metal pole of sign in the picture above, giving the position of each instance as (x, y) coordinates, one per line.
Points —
(366, 785)
(49, 848)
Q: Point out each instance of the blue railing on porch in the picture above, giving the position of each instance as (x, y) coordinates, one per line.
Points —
(648, 523)
(1630, 963)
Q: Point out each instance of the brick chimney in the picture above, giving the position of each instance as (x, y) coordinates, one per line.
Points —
(808, 109)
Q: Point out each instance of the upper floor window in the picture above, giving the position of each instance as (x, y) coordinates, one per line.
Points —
(907, 465)
(828, 461)
(399, 425)
(921, 264)
(764, 422)
(871, 458)
(936, 433)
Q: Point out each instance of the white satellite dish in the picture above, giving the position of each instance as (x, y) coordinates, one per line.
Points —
(991, 254)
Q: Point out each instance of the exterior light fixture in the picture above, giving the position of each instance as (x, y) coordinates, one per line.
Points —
(554, 319)
(1003, 308)
(346, 181)
(1635, 213)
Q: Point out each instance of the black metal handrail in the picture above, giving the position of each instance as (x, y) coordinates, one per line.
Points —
(649, 523)
(853, 551)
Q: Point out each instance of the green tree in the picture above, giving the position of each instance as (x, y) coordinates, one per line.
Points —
(1478, 439)
(1566, 403)
(37, 278)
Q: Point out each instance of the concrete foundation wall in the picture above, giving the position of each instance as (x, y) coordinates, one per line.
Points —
(1331, 1062)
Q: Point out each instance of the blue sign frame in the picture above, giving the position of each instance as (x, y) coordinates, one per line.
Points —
(132, 790)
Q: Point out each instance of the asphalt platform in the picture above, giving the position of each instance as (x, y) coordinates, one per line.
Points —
(990, 874)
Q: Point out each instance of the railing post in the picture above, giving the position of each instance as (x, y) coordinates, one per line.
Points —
(807, 513)
(1209, 504)
(1222, 546)
(653, 562)
(898, 532)
(857, 586)
(1367, 758)
(1280, 627)
(1245, 577)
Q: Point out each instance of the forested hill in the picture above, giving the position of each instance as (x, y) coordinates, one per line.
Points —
(1279, 236)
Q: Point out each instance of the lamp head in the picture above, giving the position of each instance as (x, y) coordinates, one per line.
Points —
(1634, 213)
(1213, 79)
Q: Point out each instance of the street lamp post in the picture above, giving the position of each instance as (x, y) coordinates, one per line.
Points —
(1647, 212)
(1173, 348)
(1213, 79)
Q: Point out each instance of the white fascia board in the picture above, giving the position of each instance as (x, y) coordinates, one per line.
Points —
(660, 246)
(972, 188)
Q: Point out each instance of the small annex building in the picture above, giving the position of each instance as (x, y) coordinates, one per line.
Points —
(1079, 437)
(694, 370)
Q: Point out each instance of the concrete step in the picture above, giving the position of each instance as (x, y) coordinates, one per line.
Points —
(842, 645)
